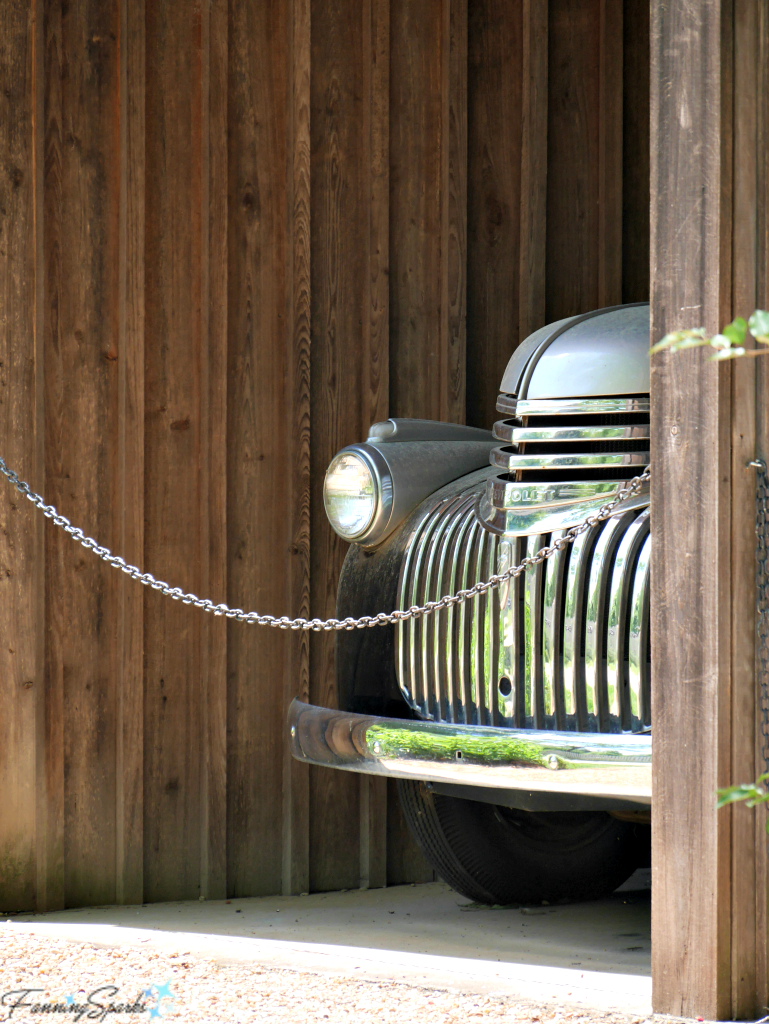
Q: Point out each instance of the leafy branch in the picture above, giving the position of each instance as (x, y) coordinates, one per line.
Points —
(729, 344)
(753, 793)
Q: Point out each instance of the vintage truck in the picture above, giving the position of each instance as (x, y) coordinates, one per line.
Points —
(517, 723)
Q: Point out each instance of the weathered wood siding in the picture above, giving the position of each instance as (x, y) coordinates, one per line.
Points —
(233, 233)
(710, 250)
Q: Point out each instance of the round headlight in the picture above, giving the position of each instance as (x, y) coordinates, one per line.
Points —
(350, 495)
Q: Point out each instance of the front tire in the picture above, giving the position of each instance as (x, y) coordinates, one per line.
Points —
(499, 855)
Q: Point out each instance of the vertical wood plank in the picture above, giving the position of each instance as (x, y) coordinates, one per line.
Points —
(212, 275)
(81, 238)
(572, 158)
(610, 153)
(265, 380)
(184, 485)
(762, 450)
(48, 760)
(507, 189)
(376, 35)
(635, 151)
(497, 195)
(584, 240)
(533, 197)
(454, 213)
(427, 215)
(51, 716)
(173, 437)
(296, 777)
(743, 542)
(127, 502)
(691, 136)
(22, 778)
(349, 315)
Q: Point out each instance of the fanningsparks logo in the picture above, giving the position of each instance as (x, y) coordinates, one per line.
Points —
(96, 1005)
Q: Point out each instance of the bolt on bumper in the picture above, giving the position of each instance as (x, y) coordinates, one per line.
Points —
(589, 764)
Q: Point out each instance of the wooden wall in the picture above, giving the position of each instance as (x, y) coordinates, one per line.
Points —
(232, 234)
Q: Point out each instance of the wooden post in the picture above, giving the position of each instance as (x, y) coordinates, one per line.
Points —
(708, 260)
(23, 863)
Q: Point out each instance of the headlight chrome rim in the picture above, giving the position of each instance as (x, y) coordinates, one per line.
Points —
(382, 488)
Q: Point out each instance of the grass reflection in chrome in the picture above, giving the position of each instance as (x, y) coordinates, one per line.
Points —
(386, 741)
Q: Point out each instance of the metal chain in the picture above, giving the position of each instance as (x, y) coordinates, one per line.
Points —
(762, 601)
(323, 625)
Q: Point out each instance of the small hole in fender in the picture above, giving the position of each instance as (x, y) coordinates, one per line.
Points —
(505, 686)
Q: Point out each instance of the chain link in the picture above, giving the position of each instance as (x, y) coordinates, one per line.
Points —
(762, 602)
(322, 625)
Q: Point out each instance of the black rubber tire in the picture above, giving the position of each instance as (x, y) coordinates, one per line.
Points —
(498, 855)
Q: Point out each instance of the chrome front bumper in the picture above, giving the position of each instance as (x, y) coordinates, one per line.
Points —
(589, 764)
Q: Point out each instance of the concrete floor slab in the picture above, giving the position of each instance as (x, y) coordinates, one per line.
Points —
(596, 954)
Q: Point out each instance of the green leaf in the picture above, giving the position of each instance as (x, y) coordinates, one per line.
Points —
(745, 791)
(721, 341)
(728, 353)
(758, 323)
(677, 340)
(736, 331)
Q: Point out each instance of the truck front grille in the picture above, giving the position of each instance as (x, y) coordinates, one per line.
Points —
(565, 646)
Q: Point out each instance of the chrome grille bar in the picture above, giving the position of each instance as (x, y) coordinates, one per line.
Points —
(573, 655)
(506, 458)
(552, 630)
(532, 638)
(509, 646)
(454, 680)
(510, 432)
(621, 581)
(431, 623)
(574, 406)
(595, 619)
(465, 621)
(638, 665)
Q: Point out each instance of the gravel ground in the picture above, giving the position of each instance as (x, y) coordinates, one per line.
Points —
(213, 993)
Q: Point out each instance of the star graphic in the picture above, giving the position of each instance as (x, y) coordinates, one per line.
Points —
(69, 1000)
(164, 990)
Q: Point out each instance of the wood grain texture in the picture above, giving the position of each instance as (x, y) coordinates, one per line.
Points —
(610, 111)
(22, 771)
(745, 700)
(691, 236)
(296, 776)
(260, 461)
(584, 251)
(497, 204)
(212, 273)
(506, 193)
(81, 237)
(184, 501)
(762, 450)
(128, 501)
(635, 151)
(533, 198)
(349, 313)
(427, 209)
